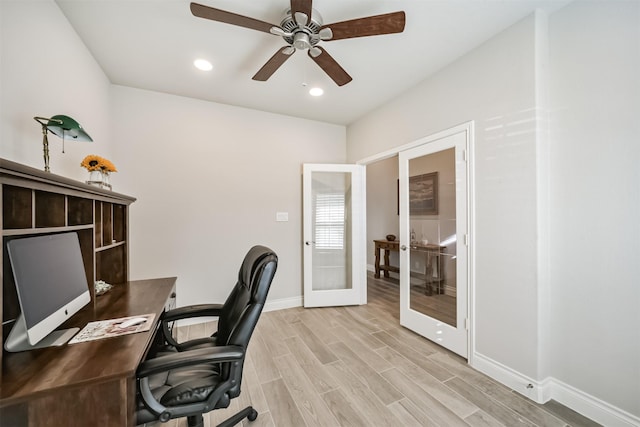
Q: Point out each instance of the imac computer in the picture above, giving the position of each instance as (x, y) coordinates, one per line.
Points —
(51, 285)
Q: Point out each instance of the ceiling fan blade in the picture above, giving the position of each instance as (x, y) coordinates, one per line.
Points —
(329, 65)
(301, 6)
(273, 64)
(213, 14)
(388, 23)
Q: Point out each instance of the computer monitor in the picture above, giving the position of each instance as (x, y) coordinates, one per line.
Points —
(51, 285)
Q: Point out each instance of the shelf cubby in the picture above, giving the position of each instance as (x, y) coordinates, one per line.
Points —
(80, 211)
(15, 202)
(50, 209)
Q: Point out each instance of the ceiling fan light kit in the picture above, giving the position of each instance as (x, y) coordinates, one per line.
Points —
(302, 29)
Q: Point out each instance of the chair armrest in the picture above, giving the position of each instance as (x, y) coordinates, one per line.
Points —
(188, 358)
(199, 310)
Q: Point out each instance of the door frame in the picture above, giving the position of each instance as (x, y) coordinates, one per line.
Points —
(469, 128)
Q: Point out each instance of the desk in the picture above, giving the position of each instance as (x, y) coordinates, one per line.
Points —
(432, 257)
(85, 384)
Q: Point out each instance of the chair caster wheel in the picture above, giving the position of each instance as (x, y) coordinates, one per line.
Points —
(252, 415)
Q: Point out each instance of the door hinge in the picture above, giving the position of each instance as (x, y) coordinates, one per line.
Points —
(464, 155)
(466, 240)
(466, 323)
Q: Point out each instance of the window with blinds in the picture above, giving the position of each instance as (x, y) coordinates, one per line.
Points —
(329, 221)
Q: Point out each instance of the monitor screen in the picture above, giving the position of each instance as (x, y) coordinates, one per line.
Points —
(50, 282)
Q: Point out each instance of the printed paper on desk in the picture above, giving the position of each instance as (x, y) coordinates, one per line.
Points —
(111, 328)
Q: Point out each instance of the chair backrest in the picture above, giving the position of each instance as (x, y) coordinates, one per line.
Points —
(242, 309)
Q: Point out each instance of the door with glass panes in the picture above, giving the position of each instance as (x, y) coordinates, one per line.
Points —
(333, 235)
(434, 241)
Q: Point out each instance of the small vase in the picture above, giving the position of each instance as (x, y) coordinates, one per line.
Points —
(106, 180)
(95, 178)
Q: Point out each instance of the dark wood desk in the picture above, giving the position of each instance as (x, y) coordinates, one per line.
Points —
(432, 258)
(85, 384)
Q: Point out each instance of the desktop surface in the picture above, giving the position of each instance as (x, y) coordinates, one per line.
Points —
(51, 373)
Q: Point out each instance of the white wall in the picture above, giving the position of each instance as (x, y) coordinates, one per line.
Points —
(209, 179)
(47, 70)
(493, 85)
(595, 200)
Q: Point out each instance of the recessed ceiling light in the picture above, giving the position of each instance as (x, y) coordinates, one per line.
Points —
(316, 91)
(203, 64)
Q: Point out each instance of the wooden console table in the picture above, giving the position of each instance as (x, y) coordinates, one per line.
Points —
(433, 259)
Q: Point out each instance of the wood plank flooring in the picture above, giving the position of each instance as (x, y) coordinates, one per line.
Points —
(441, 307)
(356, 366)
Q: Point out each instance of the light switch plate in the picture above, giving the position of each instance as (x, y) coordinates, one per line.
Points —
(282, 216)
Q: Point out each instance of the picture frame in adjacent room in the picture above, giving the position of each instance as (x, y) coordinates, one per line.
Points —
(423, 194)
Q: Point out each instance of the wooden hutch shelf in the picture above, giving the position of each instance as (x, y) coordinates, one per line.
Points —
(91, 383)
(35, 202)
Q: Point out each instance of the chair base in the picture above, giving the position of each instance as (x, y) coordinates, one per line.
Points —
(195, 420)
(248, 413)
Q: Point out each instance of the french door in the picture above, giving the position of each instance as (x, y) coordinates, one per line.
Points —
(334, 235)
(433, 241)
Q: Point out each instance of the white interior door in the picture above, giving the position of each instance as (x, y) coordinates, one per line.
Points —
(334, 228)
(433, 241)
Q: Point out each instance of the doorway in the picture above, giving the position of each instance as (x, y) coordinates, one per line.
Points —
(434, 305)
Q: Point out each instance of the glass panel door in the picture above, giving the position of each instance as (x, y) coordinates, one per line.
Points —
(433, 228)
(334, 270)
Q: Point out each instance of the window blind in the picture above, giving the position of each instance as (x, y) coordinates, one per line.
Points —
(329, 221)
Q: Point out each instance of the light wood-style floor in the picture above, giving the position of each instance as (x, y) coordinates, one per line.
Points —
(438, 306)
(356, 366)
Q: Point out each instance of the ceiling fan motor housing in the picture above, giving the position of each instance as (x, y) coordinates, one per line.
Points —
(302, 37)
(301, 40)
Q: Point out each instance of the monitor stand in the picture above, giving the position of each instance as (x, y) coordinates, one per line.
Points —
(18, 339)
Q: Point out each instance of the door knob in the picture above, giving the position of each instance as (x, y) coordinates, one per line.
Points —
(403, 247)
(308, 243)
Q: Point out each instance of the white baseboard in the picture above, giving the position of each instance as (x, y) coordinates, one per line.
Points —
(450, 290)
(591, 407)
(510, 377)
(551, 388)
(194, 321)
(281, 304)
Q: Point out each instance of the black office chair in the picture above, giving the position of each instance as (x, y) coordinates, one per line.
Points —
(193, 378)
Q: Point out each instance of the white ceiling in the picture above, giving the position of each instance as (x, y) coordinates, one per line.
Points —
(151, 44)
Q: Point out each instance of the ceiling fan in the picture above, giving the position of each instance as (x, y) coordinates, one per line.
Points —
(302, 28)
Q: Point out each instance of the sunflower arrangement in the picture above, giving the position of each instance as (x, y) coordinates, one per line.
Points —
(96, 163)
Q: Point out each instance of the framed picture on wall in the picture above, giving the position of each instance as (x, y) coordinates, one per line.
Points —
(423, 194)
